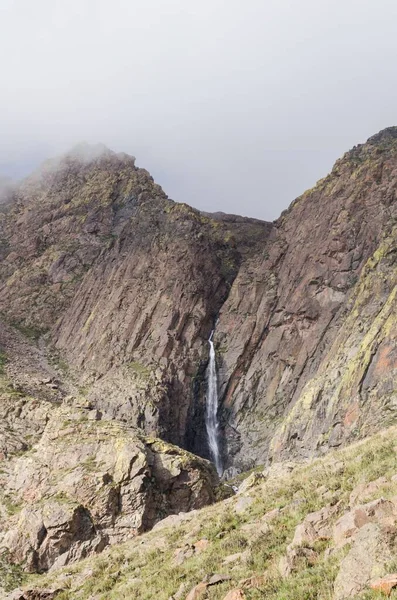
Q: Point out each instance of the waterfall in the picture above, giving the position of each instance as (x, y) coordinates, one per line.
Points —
(211, 416)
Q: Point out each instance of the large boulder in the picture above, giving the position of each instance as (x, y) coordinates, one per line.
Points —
(380, 511)
(89, 483)
(373, 548)
(316, 526)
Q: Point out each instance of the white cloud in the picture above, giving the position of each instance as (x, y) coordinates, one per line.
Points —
(232, 106)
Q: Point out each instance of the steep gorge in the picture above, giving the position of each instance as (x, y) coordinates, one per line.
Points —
(126, 286)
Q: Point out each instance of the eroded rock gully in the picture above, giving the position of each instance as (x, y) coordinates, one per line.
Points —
(127, 285)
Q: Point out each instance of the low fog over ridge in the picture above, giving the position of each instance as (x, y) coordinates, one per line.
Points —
(231, 108)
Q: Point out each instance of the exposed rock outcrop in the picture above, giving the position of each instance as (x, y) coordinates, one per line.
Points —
(195, 555)
(308, 327)
(129, 284)
(89, 483)
(373, 548)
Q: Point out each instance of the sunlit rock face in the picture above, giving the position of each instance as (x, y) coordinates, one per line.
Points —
(308, 329)
(90, 483)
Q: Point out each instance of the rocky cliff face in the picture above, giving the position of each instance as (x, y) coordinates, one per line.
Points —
(73, 482)
(89, 483)
(126, 286)
(324, 530)
(308, 328)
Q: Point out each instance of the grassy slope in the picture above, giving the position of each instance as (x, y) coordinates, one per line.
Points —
(144, 568)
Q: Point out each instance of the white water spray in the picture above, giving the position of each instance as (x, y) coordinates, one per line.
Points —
(211, 417)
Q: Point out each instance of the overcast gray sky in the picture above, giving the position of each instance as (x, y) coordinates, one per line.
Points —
(231, 105)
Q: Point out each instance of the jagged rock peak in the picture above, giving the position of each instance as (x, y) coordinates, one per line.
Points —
(381, 144)
(87, 153)
(387, 134)
(82, 157)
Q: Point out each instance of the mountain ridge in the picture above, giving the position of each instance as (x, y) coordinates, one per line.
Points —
(97, 235)
(109, 291)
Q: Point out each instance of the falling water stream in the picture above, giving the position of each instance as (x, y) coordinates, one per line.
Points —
(211, 418)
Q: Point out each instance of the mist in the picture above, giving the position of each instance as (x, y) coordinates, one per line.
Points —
(234, 107)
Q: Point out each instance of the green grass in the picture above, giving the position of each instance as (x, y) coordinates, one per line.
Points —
(141, 371)
(11, 576)
(144, 568)
(11, 507)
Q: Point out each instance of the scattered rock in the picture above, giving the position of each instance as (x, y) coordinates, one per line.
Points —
(179, 593)
(316, 526)
(373, 548)
(255, 581)
(233, 558)
(280, 469)
(89, 483)
(271, 515)
(362, 491)
(256, 529)
(182, 554)
(322, 490)
(348, 525)
(218, 578)
(242, 504)
(35, 594)
(382, 511)
(296, 558)
(250, 482)
(175, 520)
(198, 592)
(385, 584)
(236, 594)
(201, 545)
(94, 415)
(189, 550)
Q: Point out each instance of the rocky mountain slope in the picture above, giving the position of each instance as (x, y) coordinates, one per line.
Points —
(308, 329)
(126, 285)
(108, 294)
(72, 483)
(321, 530)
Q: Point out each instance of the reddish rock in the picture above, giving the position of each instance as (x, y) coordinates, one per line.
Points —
(316, 526)
(380, 511)
(363, 490)
(372, 550)
(128, 284)
(290, 331)
(198, 592)
(236, 594)
(256, 581)
(201, 545)
(271, 515)
(385, 584)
